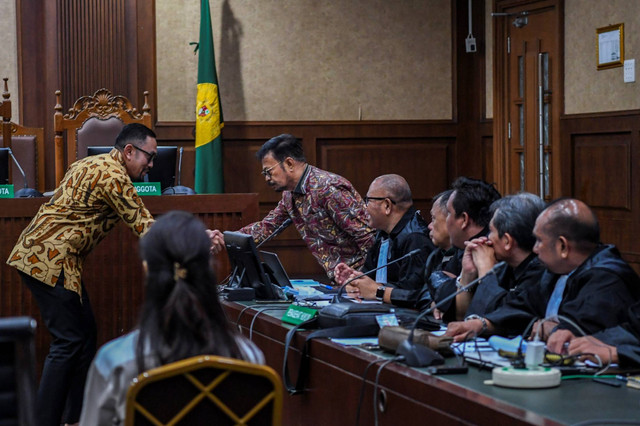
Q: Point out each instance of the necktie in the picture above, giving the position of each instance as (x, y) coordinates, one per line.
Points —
(556, 298)
(381, 274)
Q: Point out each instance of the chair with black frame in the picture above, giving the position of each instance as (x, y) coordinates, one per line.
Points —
(206, 390)
(93, 120)
(4, 166)
(17, 371)
(27, 147)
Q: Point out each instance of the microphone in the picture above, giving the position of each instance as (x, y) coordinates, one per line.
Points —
(25, 192)
(337, 297)
(275, 233)
(421, 356)
(179, 189)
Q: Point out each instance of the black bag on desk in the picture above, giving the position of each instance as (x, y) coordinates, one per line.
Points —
(346, 319)
(351, 314)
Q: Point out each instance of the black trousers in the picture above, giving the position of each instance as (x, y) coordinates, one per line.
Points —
(72, 326)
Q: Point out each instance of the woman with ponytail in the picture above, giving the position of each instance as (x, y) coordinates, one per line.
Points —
(181, 317)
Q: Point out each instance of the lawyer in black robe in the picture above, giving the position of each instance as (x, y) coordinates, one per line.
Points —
(626, 338)
(410, 233)
(497, 289)
(597, 296)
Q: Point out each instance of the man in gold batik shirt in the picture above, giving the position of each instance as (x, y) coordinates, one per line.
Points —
(95, 194)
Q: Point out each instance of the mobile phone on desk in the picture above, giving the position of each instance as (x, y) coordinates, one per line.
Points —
(273, 302)
(448, 369)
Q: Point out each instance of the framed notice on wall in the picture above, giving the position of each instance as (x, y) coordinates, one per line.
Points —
(610, 46)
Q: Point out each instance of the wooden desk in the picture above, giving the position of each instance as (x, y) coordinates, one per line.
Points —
(412, 397)
(112, 272)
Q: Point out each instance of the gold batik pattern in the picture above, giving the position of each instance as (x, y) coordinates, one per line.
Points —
(94, 195)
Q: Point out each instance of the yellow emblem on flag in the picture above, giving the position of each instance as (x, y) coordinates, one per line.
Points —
(207, 114)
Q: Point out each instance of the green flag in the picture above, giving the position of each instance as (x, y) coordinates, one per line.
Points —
(209, 119)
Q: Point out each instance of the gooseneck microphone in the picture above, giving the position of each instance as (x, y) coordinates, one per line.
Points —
(25, 192)
(275, 233)
(337, 297)
(421, 356)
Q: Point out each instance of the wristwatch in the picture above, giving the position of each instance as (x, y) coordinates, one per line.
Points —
(460, 286)
(483, 320)
(380, 293)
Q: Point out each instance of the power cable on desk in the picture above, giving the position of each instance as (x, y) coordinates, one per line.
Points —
(375, 386)
(267, 308)
(588, 376)
(601, 365)
(246, 308)
(259, 311)
(362, 388)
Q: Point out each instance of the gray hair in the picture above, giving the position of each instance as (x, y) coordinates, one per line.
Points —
(516, 215)
(441, 199)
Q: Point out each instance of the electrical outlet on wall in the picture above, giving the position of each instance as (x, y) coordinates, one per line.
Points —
(630, 71)
(470, 44)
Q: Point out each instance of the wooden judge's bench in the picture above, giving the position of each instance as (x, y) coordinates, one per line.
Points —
(112, 272)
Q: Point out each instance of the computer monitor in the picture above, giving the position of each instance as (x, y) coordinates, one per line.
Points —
(273, 267)
(4, 166)
(164, 166)
(95, 150)
(246, 268)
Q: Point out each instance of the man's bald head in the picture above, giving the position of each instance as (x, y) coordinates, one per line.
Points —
(573, 220)
(396, 188)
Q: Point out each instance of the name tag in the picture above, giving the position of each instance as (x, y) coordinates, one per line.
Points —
(147, 188)
(298, 314)
(387, 319)
(6, 191)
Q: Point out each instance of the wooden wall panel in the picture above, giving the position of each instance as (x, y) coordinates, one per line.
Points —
(600, 157)
(424, 163)
(92, 47)
(608, 153)
(487, 159)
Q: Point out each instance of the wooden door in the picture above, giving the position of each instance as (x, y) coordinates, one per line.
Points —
(529, 88)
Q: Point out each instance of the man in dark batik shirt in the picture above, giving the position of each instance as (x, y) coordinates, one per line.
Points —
(325, 208)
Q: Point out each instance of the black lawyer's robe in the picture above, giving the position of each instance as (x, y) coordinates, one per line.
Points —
(597, 296)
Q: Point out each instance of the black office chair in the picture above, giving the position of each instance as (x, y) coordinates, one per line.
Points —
(17, 371)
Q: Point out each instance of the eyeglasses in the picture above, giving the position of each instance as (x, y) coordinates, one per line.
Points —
(367, 199)
(267, 172)
(150, 156)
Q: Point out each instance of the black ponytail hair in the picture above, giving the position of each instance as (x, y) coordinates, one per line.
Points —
(181, 315)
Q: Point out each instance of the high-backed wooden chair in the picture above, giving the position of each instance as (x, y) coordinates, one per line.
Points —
(205, 390)
(93, 120)
(5, 107)
(26, 143)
